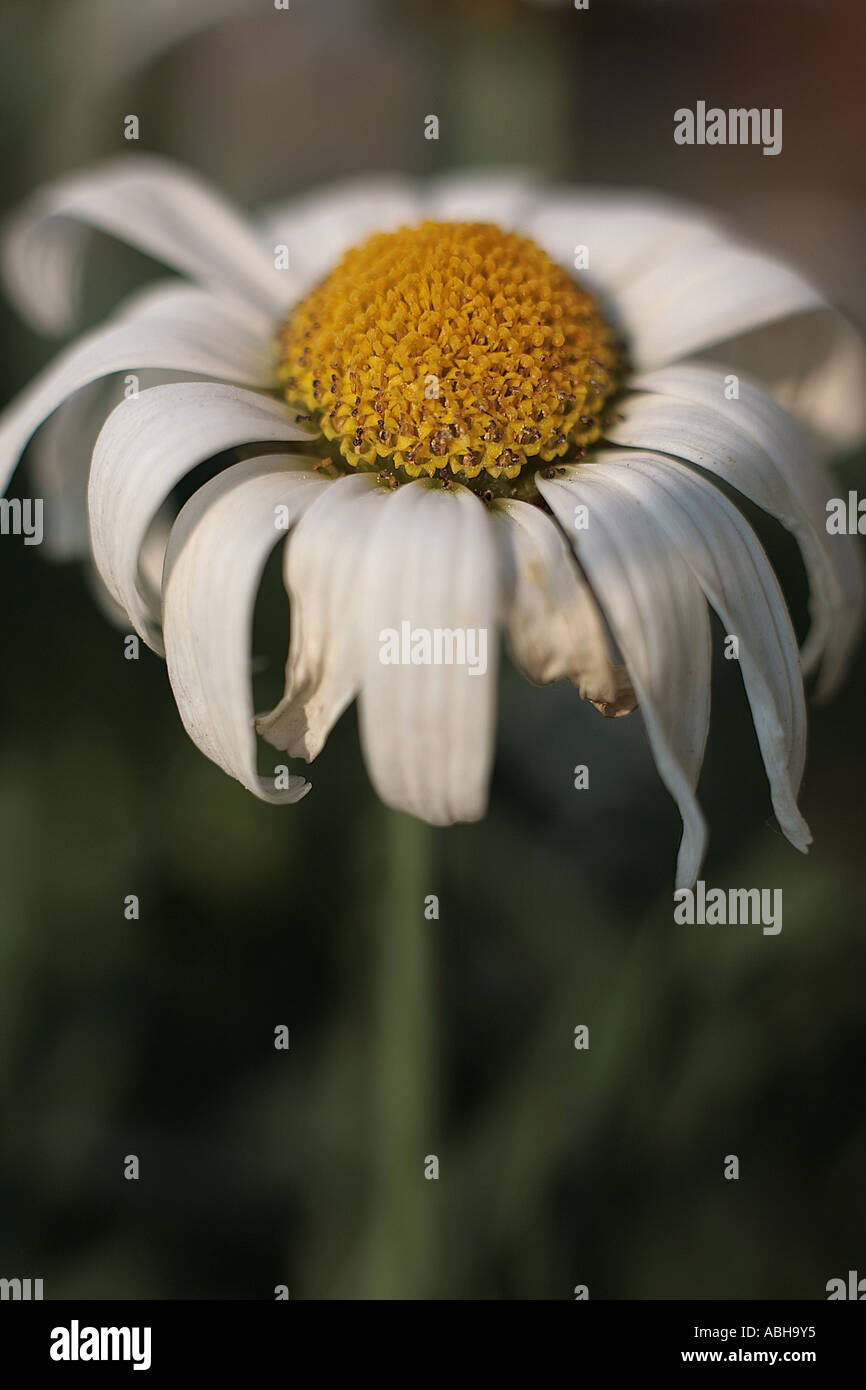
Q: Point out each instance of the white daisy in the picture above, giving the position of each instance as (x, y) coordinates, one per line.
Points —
(476, 437)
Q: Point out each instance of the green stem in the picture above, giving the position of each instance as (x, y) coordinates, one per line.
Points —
(400, 1252)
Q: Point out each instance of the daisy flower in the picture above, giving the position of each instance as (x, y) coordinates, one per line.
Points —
(487, 407)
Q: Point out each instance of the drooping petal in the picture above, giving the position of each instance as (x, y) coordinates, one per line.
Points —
(157, 206)
(554, 625)
(318, 229)
(150, 562)
(60, 463)
(727, 559)
(322, 565)
(180, 329)
(427, 727)
(60, 456)
(660, 621)
(213, 567)
(147, 445)
(754, 445)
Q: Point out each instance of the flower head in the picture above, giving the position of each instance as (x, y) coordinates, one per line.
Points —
(475, 436)
(450, 348)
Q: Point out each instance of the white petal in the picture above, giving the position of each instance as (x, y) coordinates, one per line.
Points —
(660, 622)
(727, 559)
(323, 561)
(321, 227)
(624, 233)
(148, 444)
(60, 464)
(815, 365)
(554, 626)
(60, 457)
(155, 205)
(756, 447)
(481, 195)
(427, 730)
(213, 567)
(185, 329)
(701, 295)
(151, 561)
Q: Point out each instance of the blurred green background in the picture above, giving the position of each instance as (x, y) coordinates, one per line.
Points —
(411, 1037)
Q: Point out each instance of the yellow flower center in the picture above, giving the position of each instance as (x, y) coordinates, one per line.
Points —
(450, 348)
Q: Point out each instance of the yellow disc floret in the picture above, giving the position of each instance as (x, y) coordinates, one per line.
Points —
(450, 346)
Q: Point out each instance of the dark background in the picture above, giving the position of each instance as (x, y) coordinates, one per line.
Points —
(412, 1037)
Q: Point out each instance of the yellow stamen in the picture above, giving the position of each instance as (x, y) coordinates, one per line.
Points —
(450, 346)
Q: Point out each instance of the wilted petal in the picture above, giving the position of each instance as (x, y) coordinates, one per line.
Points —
(660, 621)
(322, 565)
(147, 445)
(754, 445)
(727, 559)
(213, 567)
(427, 729)
(554, 626)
